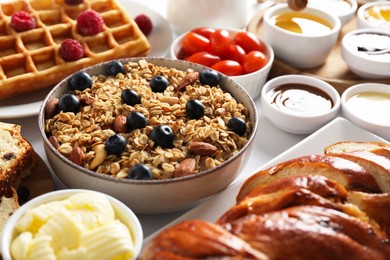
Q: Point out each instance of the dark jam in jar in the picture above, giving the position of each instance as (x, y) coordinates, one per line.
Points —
(300, 99)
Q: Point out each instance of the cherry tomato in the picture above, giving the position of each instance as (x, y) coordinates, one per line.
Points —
(228, 67)
(253, 61)
(220, 42)
(193, 42)
(204, 58)
(235, 53)
(204, 31)
(182, 54)
(248, 41)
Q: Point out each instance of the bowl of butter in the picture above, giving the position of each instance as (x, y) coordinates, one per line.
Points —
(72, 224)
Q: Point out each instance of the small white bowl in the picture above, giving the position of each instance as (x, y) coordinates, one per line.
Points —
(366, 21)
(297, 49)
(345, 10)
(122, 212)
(367, 114)
(297, 122)
(374, 66)
(252, 82)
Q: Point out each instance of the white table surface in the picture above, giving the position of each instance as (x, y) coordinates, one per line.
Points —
(269, 141)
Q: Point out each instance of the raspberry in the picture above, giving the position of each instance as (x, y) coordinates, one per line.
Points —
(71, 50)
(73, 2)
(144, 23)
(89, 23)
(22, 21)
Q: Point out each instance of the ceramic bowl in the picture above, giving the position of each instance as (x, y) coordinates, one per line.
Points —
(355, 47)
(366, 105)
(252, 82)
(122, 212)
(153, 196)
(301, 50)
(298, 119)
(365, 20)
(345, 10)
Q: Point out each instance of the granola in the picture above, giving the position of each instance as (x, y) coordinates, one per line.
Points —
(103, 115)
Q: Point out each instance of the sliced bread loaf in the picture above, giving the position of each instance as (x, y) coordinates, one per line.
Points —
(17, 160)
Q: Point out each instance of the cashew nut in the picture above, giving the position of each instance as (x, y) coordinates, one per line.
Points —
(100, 156)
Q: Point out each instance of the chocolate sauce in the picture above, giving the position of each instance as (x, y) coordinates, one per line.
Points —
(372, 43)
(300, 99)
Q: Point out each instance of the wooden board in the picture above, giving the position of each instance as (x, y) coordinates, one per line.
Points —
(335, 71)
(37, 183)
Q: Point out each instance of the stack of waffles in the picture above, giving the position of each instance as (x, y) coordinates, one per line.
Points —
(31, 60)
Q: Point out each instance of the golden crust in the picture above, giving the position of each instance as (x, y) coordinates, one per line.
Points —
(376, 165)
(346, 173)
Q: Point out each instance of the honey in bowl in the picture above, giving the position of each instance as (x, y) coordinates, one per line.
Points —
(302, 23)
(378, 15)
(300, 99)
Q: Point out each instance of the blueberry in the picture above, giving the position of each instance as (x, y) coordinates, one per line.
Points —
(140, 172)
(158, 84)
(130, 97)
(209, 77)
(237, 125)
(194, 109)
(69, 103)
(163, 136)
(115, 67)
(136, 120)
(115, 144)
(80, 81)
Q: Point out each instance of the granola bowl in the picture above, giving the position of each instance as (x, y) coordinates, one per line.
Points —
(161, 135)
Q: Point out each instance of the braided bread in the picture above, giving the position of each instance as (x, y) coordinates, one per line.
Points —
(331, 206)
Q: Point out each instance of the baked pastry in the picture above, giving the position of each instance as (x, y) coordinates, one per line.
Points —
(17, 160)
(199, 239)
(311, 232)
(376, 165)
(311, 207)
(346, 173)
(286, 192)
(376, 206)
(30, 60)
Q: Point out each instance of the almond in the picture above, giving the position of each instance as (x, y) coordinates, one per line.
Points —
(54, 142)
(77, 156)
(188, 79)
(202, 148)
(185, 168)
(51, 108)
(119, 124)
(87, 100)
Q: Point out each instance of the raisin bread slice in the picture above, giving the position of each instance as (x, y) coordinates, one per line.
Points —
(17, 160)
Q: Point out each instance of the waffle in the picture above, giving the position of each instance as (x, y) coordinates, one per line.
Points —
(31, 60)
